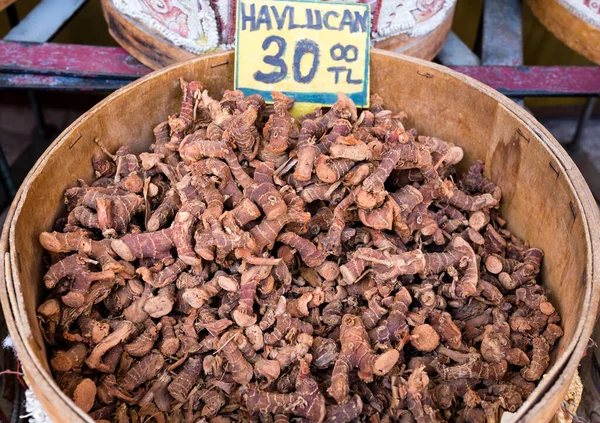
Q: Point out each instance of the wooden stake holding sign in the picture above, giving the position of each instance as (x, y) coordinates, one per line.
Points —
(308, 50)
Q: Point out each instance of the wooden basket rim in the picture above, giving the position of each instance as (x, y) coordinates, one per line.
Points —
(561, 371)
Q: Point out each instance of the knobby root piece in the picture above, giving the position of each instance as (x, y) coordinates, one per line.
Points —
(311, 256)
(63, 361)
(143, 371)
(85, 394)
(76, 268)
(474, 370)
(356, 352)
(424, 338)
(241, 371)
(120, 334)
(346, 412)
(306, 402)
(155, 245)
(417, 397)
(144, 343)
(540, 359)
(244, 315)
(185, 380)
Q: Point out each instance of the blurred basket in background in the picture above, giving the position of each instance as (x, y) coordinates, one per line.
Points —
(575, 22)
(160, 33)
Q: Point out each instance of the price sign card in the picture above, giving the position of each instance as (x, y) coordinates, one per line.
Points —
(309, 50)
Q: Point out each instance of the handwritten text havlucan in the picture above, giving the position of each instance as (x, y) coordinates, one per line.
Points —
(307, 50)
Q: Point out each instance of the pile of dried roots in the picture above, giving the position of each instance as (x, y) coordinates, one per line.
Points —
(252, 267)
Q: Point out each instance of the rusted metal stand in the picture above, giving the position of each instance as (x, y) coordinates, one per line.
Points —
(583, 119)
(501, 41)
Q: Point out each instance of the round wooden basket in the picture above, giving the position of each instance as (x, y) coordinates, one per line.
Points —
(155, 51)
(575, 32)
(546, 200)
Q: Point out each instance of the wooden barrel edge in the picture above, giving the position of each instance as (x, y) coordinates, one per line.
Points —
(557, 379)
(5, 3)
(146, 45)
(571, 30)
(155, 51)
(425, 46)
(559, 386)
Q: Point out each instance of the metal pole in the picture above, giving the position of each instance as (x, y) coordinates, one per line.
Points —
(41, 126)
(584, 117)
(5, 176)
(502, 38)
(13, 18)
(7, 180)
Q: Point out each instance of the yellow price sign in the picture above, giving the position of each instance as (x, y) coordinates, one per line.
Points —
(309, 50)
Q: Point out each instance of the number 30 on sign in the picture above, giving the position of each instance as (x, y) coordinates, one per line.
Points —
(308, 50)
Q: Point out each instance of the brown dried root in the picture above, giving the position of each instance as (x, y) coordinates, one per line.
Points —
(496, 346)
(527, 271)
(473, 370)
(191, 94)
(85, 394)
(281, 125)
(63, 361)
(394, 328)
(79, 241)
(306, 402)
(540, 359)
(120, 333)
(169, 343)
(183, 231)
(155, 245)
(424, 338)
(185, 380)
(163, 277)
(197, 296)
(243, 131)
(346, 412)
(143, 371)
(241, 371)
(144, 343)
(244, 315)
(418, 400)
(311, 256)
(76, 268)
(165, 211)
(356, 352)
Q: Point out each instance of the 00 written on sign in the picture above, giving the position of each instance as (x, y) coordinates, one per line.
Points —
(309, 50)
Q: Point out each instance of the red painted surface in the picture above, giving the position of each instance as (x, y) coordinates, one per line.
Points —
(95, 67)
(538, 80)
(63, 59)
